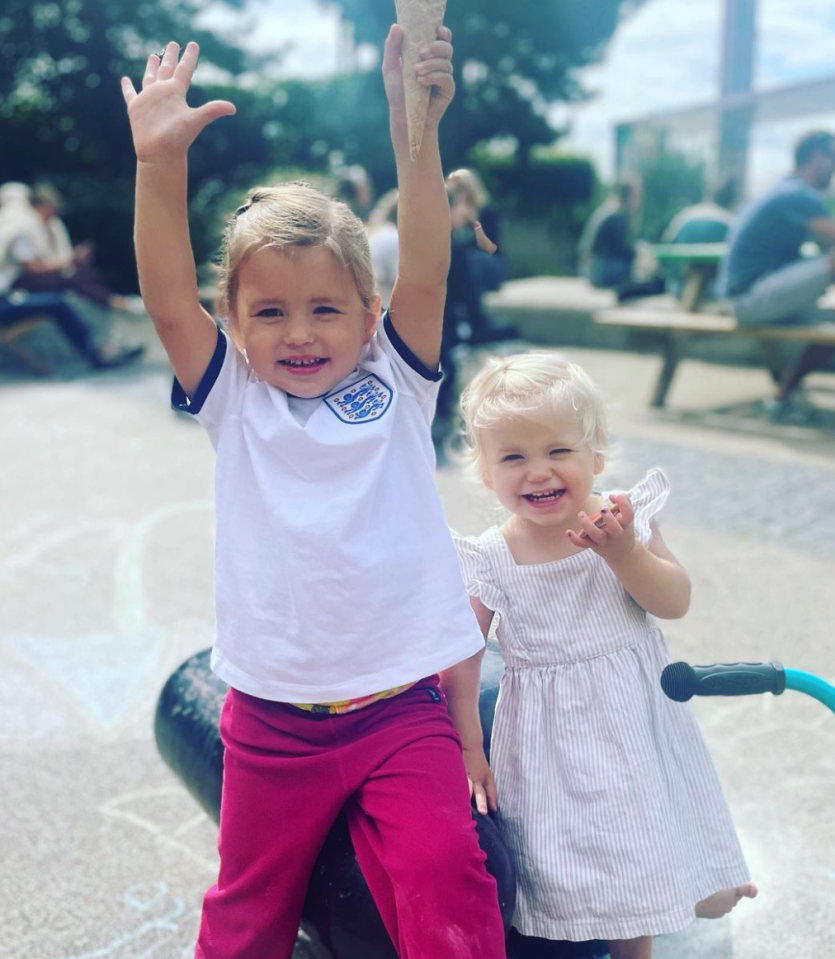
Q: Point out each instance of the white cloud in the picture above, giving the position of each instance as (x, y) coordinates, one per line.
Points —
(668, 56)
(304, 35)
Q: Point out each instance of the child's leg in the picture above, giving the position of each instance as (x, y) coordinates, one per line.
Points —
(721, 903)
(640, 948)
(412, 828)
(276, 810)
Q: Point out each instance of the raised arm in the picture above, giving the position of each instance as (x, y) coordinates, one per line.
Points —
(417, 301)
(164, 127)
(651, 574)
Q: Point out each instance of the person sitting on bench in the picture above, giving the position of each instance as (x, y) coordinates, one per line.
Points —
(606, 252)
(18, 306)
(765, 275)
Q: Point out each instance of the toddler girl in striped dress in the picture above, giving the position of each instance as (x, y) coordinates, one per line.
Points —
(609, 799)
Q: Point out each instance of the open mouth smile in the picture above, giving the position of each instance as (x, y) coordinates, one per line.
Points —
(303, 365)
(546, 498)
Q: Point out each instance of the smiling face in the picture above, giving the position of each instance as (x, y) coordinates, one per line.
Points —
(300, 319)
(542, 472)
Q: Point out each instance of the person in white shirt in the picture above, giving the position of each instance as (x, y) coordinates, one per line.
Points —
(21, 232)
(384, 244)
(338, 596)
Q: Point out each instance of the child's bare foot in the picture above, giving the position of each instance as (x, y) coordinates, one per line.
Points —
(721, 903)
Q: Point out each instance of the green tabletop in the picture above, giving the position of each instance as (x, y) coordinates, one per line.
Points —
(694, 253)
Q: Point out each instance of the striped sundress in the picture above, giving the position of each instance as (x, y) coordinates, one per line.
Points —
(607, 794)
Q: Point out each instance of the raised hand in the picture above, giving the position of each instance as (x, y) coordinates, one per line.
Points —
(613, 536)
(163, 124)
(433, 70)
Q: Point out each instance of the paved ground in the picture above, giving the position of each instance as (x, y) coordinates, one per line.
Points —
(105, 574)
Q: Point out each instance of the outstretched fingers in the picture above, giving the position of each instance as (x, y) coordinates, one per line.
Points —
(151, 70)
(168, 63)
(128, 90)
(184, 71)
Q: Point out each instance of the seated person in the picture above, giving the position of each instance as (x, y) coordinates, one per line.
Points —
(764, 275)
(53, 265)
(606, 251)
(706, 222)
(15, 250)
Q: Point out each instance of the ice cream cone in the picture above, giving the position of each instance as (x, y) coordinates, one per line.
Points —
(420, 20)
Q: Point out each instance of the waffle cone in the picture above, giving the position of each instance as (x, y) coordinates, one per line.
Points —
(420, 20)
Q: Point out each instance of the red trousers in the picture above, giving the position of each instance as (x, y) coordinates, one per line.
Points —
(396, 767)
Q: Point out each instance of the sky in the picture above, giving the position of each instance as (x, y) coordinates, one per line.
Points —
(663, 57)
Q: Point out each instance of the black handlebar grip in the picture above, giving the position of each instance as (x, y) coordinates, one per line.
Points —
(681, 681)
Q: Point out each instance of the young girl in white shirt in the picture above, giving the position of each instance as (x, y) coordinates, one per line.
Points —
(338, 593)
(608, 797)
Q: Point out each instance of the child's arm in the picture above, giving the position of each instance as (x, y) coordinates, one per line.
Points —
(461, 685)
(417, 301)
(164, 127)
(651, 575)
(483, 241)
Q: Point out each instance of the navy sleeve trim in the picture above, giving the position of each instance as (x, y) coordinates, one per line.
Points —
(406, 354)
(179, 399)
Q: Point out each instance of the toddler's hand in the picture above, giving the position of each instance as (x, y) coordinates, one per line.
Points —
(163, 125)
(433, 70)
(482, 784)
(613, 536)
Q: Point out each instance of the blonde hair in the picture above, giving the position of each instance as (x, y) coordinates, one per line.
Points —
(471, 182)
(288, 216)
(538, 386)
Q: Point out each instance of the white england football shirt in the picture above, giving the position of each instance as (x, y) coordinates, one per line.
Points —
(335, 573)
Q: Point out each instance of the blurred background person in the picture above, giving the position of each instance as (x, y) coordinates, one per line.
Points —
(607, 251)
(21, 231)
(765, 274)
(479, 230)
(384, 244)
(47, 260)
(706, 222)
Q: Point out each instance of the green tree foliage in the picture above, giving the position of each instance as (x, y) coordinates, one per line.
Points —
(512, 61)
(62, 117)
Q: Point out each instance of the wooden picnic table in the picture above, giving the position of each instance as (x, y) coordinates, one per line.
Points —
(676, 328)
(699, 263)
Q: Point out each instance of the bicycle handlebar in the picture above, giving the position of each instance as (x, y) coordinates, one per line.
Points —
(681, 681)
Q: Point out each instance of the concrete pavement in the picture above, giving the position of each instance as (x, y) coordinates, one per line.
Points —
(106, 578)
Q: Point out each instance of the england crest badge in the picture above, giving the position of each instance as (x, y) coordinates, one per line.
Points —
(363, 401)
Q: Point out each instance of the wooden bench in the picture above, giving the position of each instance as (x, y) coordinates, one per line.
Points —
(677, 328)
(10, 337)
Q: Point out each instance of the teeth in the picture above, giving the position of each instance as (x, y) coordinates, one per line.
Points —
(552, 494)
(302, 362)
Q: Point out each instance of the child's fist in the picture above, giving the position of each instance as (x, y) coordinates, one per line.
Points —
(609, 532)
(418, 80)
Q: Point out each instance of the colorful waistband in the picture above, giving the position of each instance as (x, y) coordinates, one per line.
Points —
(352, 705)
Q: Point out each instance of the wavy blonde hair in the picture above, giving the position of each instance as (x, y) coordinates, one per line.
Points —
(287, 216)
(539, 386)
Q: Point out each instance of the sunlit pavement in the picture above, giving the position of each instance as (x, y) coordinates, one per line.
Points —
(106, 568)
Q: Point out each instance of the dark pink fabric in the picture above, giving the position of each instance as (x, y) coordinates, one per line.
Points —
(396, 767)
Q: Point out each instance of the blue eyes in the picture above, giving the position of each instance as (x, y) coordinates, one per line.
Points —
(274, 312)
(510, 457)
